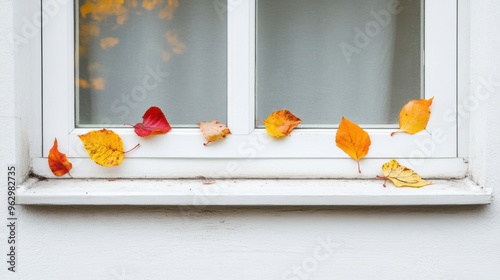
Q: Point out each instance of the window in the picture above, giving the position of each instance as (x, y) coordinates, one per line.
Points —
(237, 61)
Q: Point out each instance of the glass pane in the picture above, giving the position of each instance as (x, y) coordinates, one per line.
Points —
(324, 59)
(131, 55)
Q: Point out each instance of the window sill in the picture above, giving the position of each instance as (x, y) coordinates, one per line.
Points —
(226, 192)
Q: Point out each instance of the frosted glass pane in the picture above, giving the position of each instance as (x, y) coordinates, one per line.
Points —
(324, 59)
(132, 55)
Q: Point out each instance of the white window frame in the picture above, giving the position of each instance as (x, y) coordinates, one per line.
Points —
(249, 152)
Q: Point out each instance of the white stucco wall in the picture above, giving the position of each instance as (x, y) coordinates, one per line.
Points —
(260, 243)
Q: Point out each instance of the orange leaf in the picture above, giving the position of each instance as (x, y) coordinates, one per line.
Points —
(87, 8)
(414, 116)
(102, 9)
(213, 131)
(58, 162)
(104, 147)
(353, 140)
(153, 122)
(281, 123)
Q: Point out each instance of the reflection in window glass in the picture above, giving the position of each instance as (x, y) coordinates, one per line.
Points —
(324, 59)
(131, 55)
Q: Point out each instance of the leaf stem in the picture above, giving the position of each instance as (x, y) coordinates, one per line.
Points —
(135, 147)
(383, 178)
(359, 168)
(392, 134)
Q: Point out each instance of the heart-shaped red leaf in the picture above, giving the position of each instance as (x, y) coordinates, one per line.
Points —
(153, 122)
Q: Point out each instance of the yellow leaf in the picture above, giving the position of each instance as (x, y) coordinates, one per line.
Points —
(213, 131)
(414, 116)
(353, 140)
(109, 42)
(104, 147)
(401, 176)
(281, 123)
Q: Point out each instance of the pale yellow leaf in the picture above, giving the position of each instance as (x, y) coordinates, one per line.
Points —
(213, 131)
(402, 176)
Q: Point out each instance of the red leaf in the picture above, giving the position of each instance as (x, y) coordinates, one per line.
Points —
(153, 122)
(58, 163)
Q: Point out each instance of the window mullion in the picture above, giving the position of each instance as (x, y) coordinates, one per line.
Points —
(241, 66)
(58, 78)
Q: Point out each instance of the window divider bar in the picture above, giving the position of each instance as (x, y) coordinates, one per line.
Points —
(72, 33)
(241, 66)
(58, 78)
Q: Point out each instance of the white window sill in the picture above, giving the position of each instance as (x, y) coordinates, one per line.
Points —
(247, 193)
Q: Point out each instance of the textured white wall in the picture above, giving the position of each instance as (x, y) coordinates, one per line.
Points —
(262, 243)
